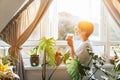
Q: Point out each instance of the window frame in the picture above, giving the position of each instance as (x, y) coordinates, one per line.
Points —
(106, 43)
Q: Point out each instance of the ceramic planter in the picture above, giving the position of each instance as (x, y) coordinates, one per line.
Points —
(34, 60)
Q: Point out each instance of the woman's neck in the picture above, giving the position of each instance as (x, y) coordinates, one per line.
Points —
(84, 38)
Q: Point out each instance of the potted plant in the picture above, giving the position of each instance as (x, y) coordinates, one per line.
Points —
(6, 67)
(115, 60)
(34, 56)
(75, 69)
(78, 71)
(51, 56)
(46, 46)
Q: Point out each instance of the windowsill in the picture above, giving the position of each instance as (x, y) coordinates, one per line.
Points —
(108, 65)
(29, 67)
(62, 66)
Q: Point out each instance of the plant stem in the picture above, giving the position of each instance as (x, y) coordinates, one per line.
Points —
(88, 65)
(90, 61)
(52, 73)
(44, 66)
(93, 74)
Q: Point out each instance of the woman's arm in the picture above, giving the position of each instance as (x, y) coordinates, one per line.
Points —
(70, 43)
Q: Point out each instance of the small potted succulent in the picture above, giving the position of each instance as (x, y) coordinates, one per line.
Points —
(34, 56)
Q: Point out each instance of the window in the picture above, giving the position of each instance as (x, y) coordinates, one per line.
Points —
(70, 12)
(61, 19)
(106, 31)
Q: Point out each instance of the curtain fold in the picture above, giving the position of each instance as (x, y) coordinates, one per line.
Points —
(19, 30)
(113, 6)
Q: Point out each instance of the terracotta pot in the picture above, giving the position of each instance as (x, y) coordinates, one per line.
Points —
(34, 60)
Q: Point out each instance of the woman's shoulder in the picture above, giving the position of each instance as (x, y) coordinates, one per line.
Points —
(87, 44)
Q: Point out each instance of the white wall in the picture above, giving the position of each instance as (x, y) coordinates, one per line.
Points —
(36, 74)
(8, 9)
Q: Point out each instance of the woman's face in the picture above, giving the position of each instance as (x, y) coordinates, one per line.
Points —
(77, 31)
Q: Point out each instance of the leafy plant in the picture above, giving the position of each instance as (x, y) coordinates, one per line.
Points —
(5, 71)
(34, 51)
(59, 58)
(75, 69)
(116, 61)
(78, 71)
(7, 59)
(51, 56)
(46, 46)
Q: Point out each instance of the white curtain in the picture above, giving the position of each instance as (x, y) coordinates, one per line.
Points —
(113, 6)
(19, 30)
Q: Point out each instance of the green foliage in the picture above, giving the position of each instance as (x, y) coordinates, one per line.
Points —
(65, 57)
(72, 66)
(34, 51)
(116, 48)
(49, 46)
(107, 73)
(7, 59)
(98, 63)
(117, 65)
(75, 69)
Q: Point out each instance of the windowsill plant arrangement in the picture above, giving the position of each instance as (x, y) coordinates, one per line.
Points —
(78, 71)
(115, 60)
(51, 57)
(75, 69)
(34, 56)
(6, 72)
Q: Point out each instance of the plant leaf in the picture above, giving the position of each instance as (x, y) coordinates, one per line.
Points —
(48, 45)
(65, 57)
(58, 58)
(72, 66)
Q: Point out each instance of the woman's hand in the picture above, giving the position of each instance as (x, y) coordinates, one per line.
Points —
(70, 42)
(69, 39)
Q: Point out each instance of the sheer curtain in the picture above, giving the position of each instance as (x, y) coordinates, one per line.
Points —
(19, 30)
(113, 6)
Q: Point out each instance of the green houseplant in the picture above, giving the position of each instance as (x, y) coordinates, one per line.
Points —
(51, 56)
(34, 56)
(78, 71)
(115, 60)
(7, 63)
(47, 47)
(75, 69)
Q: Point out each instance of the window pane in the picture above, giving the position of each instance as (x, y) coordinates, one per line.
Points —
(70, 12)
(115, 49)
(98, 50)
(3, 50)
(114, 30)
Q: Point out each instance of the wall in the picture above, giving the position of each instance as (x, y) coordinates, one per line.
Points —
(34, 73)
(8, 9)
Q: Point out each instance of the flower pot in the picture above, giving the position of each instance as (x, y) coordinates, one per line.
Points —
(34, 60)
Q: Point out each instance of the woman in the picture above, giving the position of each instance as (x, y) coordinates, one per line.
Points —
(84, 29)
